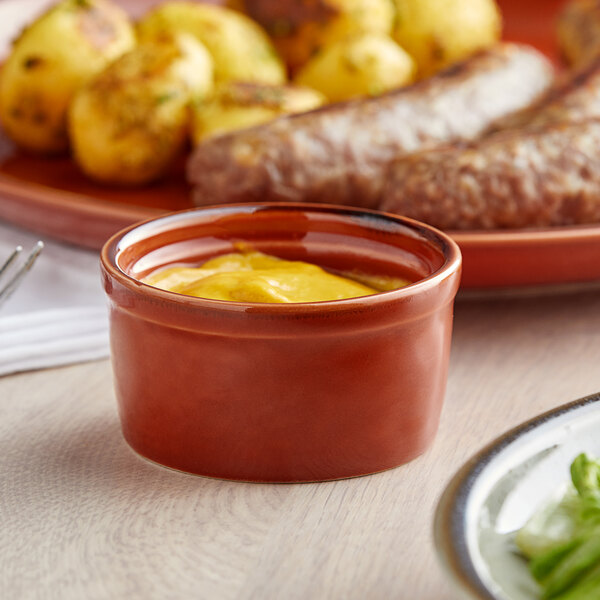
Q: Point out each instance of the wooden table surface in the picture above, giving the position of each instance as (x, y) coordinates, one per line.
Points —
(83, 517)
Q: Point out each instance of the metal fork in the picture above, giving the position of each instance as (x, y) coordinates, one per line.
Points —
(12, 273)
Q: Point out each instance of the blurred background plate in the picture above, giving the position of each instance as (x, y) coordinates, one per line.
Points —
(51, 196)
(498, 490)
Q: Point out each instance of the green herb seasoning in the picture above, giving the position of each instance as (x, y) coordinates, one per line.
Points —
(562, 539)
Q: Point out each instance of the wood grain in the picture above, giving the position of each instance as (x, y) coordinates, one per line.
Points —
(82, 516)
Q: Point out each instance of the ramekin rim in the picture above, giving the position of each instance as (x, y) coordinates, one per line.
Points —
(449, 249)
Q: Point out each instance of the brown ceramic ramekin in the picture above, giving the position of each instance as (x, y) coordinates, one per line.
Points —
(282, 392)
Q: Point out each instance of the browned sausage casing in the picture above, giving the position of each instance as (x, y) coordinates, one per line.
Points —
(520, 178)
(339, 153)
(575, 98)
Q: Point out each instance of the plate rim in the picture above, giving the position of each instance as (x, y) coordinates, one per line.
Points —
(48, 196)
(44, 194)
(560, 233)
(449, 524)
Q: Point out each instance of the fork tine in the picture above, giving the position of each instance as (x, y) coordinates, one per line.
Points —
(11, 259)
(12, 283)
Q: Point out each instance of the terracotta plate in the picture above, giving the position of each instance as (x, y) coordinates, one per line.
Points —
(495, 493)
(51, 196)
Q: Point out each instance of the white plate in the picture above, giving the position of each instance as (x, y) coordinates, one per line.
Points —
(497, 491)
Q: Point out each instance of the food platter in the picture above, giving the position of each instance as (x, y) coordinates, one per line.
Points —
(495, 492)
(52, 197)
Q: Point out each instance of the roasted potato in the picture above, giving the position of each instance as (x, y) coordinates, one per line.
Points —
(130, 122)
(240, 49)
(578, 31)
(237, 105)
(437, 33)
(300, 28)
(361, 65)
(51, 59)
(233, 4)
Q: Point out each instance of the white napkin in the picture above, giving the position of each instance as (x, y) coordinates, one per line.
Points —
(58, 315)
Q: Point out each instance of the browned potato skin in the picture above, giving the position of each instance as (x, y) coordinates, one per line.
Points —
(365, 64)
(299, 28)
(578, 31)
(294, 26)
(130, 123)
(440, 33)
(238, 105)
(241, 50)
(53, 57)
(233, 4)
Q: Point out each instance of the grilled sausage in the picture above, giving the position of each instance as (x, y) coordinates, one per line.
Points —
(339, 153)
(536, 177)
(575, 98)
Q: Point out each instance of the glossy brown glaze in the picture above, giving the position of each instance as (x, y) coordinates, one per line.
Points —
(287, 392)
(338, 153)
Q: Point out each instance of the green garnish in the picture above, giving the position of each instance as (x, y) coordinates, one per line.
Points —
(165, 98)
(562, 540)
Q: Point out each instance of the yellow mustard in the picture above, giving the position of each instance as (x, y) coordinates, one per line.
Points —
(256, 277)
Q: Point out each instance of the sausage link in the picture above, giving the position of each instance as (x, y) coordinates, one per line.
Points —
(339, 153)
(575, 98)
(534, 177)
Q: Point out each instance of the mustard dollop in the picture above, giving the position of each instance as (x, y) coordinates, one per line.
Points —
(256, 277)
